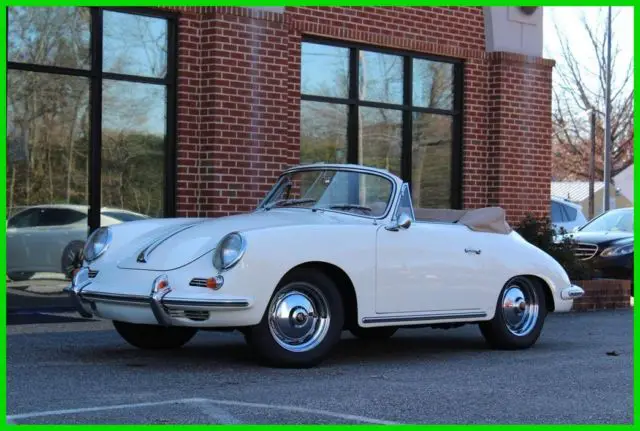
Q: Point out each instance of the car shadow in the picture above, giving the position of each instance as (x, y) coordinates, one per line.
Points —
(230, 350)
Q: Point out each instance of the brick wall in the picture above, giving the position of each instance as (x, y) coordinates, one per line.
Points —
(239, 101)
(603, 294)
(519, 134)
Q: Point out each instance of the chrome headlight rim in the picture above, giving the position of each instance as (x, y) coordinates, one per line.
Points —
(618, 250)
(218, 259)
(89, 249)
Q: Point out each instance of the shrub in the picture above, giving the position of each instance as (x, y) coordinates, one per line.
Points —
(539, 232)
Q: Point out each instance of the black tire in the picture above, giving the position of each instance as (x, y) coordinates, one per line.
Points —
(496, 331)
(154, 337)
(318, 287)
(71, 258)
(20, 276)
(378, 333)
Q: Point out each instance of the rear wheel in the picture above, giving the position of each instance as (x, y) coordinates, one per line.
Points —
(520, 312)
(154, 337)
(71, 258)
(302, 323)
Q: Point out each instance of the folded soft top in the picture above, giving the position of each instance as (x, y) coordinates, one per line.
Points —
(487, 219)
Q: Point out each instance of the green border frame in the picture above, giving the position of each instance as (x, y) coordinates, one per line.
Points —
(3, 166)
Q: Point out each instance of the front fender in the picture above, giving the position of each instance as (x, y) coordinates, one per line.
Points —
(272, 253)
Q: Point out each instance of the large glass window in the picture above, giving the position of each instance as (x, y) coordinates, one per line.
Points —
(396, 111)
(91, 133)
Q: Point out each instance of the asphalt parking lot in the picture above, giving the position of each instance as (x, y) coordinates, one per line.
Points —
(82, 372)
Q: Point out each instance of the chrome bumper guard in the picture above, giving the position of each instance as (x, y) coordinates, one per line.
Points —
(156, 300)
(572, 292)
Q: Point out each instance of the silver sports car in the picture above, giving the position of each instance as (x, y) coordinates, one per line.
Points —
(47, 238)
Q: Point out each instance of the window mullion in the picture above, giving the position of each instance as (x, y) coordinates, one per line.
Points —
(407, 145)
(353, 135)
(95, 122)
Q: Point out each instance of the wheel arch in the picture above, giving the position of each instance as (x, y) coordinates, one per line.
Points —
(343, 282)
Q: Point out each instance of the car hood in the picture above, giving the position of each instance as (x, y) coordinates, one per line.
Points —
(168, 248)
(601, 238)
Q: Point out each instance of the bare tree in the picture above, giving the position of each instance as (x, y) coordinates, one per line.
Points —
(579, 89)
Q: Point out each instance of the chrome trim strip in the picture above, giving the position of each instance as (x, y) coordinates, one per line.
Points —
(204, 305)
(424, 317)
(572, 292)
(144, 254)
(115, 298)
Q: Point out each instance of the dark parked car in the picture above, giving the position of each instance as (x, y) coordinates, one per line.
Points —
(607, 242)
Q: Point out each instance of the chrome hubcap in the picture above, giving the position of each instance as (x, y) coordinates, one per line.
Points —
(520, 308)
(299, 317)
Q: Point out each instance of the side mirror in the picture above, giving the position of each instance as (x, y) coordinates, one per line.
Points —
(403, 222)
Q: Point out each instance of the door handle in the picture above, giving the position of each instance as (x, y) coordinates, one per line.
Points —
(471, 250)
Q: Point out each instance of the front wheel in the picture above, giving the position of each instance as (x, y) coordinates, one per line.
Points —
(302, 322)
(154, 337)
(520, 312)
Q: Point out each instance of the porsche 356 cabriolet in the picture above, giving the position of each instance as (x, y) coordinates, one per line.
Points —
(330, 248)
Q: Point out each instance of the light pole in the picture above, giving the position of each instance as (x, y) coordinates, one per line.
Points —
(607, 126)
(592, 165)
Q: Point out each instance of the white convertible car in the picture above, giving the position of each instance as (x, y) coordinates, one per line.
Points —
(330, 248)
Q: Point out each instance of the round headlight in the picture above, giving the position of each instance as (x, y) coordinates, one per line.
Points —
(229, 251)
(97, 244)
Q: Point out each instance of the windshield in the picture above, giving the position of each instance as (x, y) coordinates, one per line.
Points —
(617, 220)
(347, 191)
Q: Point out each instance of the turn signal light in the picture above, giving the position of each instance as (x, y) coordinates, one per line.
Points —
(161, 283)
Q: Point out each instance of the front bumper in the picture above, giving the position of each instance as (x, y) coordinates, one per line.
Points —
(617, 267)
(165, 309)
(571, 292)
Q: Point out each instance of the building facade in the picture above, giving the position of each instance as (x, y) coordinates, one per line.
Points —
(194, 111)
(427, 93)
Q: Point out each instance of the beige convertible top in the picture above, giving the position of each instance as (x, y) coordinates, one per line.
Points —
(488, 219)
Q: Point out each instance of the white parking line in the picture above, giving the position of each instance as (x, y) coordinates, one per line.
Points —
(215, 414)
(96, 409)
(219, 415)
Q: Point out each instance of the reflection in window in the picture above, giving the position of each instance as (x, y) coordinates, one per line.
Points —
(133, 135)
(366, 116)
(381, 77)
(381, 138)
(50, 36)
(134, 44)
(47, 139)
(432, 84)
(431, 160)
(325, 70)
(323, 132)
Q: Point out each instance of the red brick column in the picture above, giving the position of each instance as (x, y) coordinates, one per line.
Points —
(519, 134)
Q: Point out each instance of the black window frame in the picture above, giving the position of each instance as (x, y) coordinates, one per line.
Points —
(96, 76)
(353, 103)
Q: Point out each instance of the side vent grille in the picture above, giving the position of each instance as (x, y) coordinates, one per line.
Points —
(198, 282)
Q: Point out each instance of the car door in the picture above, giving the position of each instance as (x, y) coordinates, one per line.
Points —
(57, 227)
(19, 229)
(430, 267)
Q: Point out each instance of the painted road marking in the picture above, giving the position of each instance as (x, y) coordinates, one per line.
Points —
(215, 414)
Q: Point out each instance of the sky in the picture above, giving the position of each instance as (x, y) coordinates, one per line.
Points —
(569, 20)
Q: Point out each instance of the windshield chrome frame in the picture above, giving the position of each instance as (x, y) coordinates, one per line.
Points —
(393, 195)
